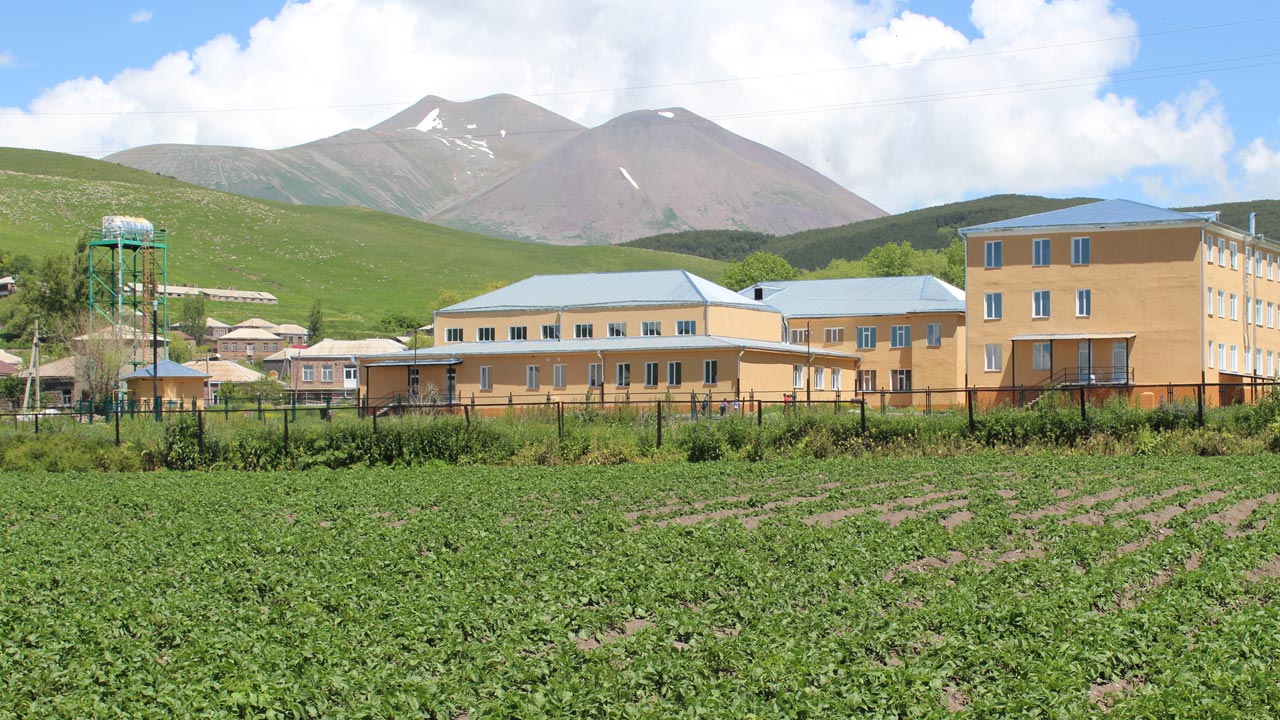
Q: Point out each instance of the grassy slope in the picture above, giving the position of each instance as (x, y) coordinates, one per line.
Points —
(361, 264)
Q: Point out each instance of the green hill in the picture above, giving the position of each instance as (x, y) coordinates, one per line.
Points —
(361, 264)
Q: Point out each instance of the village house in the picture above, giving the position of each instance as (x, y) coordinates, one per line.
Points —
(222, 372)
(177, 386)
(248, 344)
(290, 333)
(330, 368)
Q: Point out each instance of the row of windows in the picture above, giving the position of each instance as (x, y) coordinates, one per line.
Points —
(1041, 304)
(993, 252)
(1218, 250)
(595, 375)
(233, 346)
(1259, 313)
(1228, 357)
(899, 336)
(326, 373)
(648, 328)
(819, 377)
(1042, 356)
(899, 380)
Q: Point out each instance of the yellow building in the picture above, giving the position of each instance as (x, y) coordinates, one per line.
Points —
(177, 385)
(610, 336)
(1120, 293)
(908, 332)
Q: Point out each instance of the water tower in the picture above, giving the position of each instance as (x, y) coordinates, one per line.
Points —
(128, 276)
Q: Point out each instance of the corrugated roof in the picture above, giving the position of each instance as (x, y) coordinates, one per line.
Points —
(225, 371)
(284, 353)
(346, 348)
(861, 296)
(256, 322)
(289, 328)
(165, 369)
(626, 344)
(250, 333)
(1044, 337)
(1101, 213)
(212, 323)
(619, 289)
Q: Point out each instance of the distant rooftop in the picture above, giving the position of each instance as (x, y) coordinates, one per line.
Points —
(345, 348)
(861, 296)
(619, 289)
(1101, 213)
(165, 369)
(453, 351)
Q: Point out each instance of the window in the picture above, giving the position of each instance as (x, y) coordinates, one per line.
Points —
(235, 346)
(866, 380)
(799, 336)
(1233, 307)
(1257, 362)
(1235, 358)
(1222, 356)
(595, 374)
(1209, 302)
(1080, 251)
(933, 335)
(326, 373)
(623, 374)
(1222, 252)
(617, 329)
(797, 376)
(1210, 356)
(819, 378)
(1084, 302)
(1271, 366)
(518, 332)
(532, 376)
(673, 373)
(485, 334)
(550, 332)
(1248, 261)
(486, 377)
(900, 380)
(833, 335)
(651, 374)
(1271, 314)
(1222, 303)
(1257, 313)
(1208, 249)
(1235, 259)
(1041, 356)
(1248, 312)
(650, 328)
(308, 373)
(583, 330)
(994, 360)
(453, 335)
(225, 346)
(900, 336)
(686, 327)
(1040, 252)
(559, 376)
(835, 379)
(1271, 267)
(994, 306)
(994, 254)
(1040, 304)
(710, 372)
(867, 337)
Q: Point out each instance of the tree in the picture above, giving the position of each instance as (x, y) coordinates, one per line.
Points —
(398, 323)
(99, 358)
(892, 260)
(180, 351)
(192, 319)
(755, 268)
(315, 323)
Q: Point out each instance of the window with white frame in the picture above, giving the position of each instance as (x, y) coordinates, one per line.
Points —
(833, 334)
(551, 332)
(1040, 252)
(651, 328)
(866, 381)
(900, 336)
(486, 377)
(866, 337)
(1222, 252)
(686, 327)
(453, 335)
(308, 373)
(518, 332)
(595, 374)
(994, 306)
(835, 379)
(797, 376)
(1040, 304)
(1080, 251)
(673, 373)
(710, 372)
(1222, 303)
(1257, 313)
(1235, 358)
(1257, 362)
(1208, 249)
(1084, 302)
(1248, 261)
(559, 376)
(617, 329)
(1271, 364)
(819, 377)
(651, 374)
(1235, 260)
(1233, 307)
(994, 254)
(1041, 356)
(1209, 357)
(1271, 312)
(900, 380)
(584, 330)
(933, 335)
(799, 336)
(1209, 302)
(1222, 356)
(1271, 267)
(326, 373)
(485, 334)
(623, 374)
(1248, 312)
(235, 346)
(1248, 361)
(532, 376)
(993, 357)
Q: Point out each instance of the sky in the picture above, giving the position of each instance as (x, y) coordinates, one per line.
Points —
(909, 103)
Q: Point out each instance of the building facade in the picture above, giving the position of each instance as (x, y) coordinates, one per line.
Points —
(249, 344)
(330, 368)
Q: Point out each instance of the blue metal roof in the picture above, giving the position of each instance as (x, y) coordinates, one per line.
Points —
(861, 296)
(167, 369)
(1101, 213)
(619, 289)
(455, 351)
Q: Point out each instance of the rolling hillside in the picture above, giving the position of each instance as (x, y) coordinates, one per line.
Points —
(361, 264)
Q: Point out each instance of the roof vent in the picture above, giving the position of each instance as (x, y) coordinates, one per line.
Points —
(759, 293)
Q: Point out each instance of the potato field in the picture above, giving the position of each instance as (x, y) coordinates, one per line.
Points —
(982, 586)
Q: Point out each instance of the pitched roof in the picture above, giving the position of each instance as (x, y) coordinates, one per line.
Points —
(861, 296)
(63, 367)
(593, 345)
(346, 348)
(214, 323)
(617, 289)
(250, 333)
(1101, 213)
(289, 328)
(225, 371)
(165, 369)
(284, 353)
(7, 369)
(255, 322)
(10, 358)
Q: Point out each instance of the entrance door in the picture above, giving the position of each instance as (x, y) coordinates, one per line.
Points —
(1120, 362)
(1085, 363)
(450, 384)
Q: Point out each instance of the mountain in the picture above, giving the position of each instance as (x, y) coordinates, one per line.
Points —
(360, 264)
(506, 167)
(411, 164)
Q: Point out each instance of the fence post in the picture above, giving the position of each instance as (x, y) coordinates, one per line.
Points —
(375, 422)
(286, 431)
(968, 400)
(928, 401)
(1084, 418)
(1200, 405)
(117, 409)
(759, 413)
(200, 434)
(862, 415)
(261, 417)
(37, 423)
(659, 423)
(560, 420)
(466, 413)
(883, 406)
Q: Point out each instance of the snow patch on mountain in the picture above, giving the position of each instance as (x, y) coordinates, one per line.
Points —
(627, 175)
(666, 113)
(432, 120)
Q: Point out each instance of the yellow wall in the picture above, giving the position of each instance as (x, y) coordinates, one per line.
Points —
(940, 367)
(182, 390)
(1220, 329)
(738, 322)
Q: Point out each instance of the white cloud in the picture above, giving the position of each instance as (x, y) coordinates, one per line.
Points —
(140, 16)
(879, 130)
(6, 59)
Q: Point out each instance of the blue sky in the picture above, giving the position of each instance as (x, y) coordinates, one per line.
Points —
(1201, 124)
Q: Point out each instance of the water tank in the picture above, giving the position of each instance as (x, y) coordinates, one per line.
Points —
(120, 226)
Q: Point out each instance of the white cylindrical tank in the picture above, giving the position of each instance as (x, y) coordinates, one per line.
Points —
(118, 226)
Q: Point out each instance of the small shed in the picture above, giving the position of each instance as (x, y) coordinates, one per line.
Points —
(177, 385)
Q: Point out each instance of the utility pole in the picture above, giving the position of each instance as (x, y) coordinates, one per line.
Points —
(35, 370)
(155, 358)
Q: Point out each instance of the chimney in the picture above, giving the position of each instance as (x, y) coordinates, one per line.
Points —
(759, 293)
(1253, 223)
